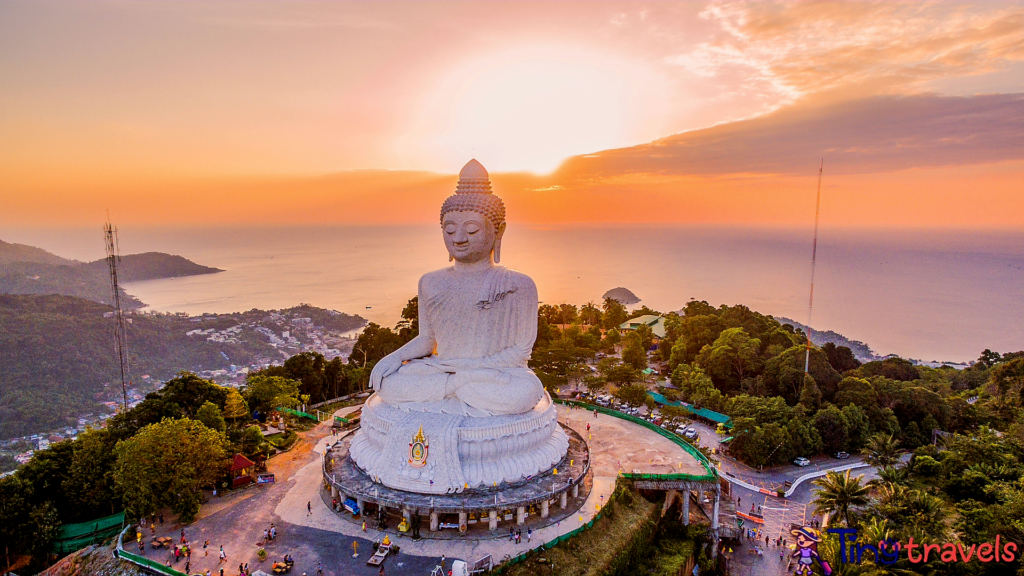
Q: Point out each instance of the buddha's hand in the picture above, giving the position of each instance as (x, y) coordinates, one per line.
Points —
(387, 366)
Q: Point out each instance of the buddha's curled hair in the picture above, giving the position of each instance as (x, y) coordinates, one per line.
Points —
(473, 194)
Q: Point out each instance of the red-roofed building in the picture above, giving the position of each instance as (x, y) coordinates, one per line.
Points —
(241, 471)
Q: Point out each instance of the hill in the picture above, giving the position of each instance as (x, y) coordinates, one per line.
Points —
(152, 266)
(57, 359)
(30, 270)
(861, 351)
(10, 253)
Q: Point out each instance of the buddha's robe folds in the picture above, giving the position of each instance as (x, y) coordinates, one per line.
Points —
(484, 324)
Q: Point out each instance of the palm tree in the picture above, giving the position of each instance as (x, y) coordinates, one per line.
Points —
(837, 493)
(899, 475)
(882, 450)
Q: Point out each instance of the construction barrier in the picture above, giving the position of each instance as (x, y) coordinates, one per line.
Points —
(298, 413)
(77, 536)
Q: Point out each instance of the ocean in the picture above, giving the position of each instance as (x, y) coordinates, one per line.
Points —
(940, 295)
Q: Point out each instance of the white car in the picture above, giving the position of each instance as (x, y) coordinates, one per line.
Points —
(690, 433)
(801, 461)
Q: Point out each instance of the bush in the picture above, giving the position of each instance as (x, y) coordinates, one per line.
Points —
(926, 466)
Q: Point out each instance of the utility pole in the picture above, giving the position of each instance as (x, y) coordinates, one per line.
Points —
(814, 257)
(120, 326)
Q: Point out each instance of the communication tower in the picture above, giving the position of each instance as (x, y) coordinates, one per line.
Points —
(120, 325)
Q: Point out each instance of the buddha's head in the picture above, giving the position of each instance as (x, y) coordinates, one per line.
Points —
(473, 219)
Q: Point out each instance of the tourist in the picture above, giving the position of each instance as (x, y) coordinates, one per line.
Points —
(161, 518)
(221, 571)
(152, 530)
(319, 569)
(223, 556)
(273, 531)
(511, 534)
(266, 534)
(241, 569)
(142, 548)
(766, 541)
(529, 533)
(364, 525)
(206, 552)
(188, 566)
(246, 569)
(309, 508)
(758, 508)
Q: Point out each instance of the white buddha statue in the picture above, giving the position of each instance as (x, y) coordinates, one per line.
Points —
(458, 406)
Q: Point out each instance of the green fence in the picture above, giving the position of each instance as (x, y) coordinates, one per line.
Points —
(712, 473)
(298, 413)
(77, 536)
(142, 561)
(711, 476)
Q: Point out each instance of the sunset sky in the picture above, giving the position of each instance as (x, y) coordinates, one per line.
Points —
(335, 113)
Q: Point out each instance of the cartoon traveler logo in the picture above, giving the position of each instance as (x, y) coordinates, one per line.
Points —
(806, 552)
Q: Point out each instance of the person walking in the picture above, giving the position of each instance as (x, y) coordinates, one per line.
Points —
(161, 518)
(309, 508)
(273, 531)
(529, 534)
(319, 569)
(223, 557)
(511, 534)
(206, 544)
(364, 525)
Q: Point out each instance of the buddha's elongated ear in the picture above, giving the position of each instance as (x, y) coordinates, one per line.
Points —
(497, 242)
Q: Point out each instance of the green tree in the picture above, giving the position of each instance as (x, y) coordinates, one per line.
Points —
(840, 357)
(633, 354)
(409, 326)
(374, 343)
(15, 530)
(697, 388)
(612, 338)
(732, 356)
(810, 395)
(212, 417)
(632, 394)
(616, 372)
(236, 410)
(265, 393)
(833, 428)
(567, 314)
(89, 481)
(590, 314)
(838, 493)
(690, 334)
(881, 450)
(166, 464)
(614, 313)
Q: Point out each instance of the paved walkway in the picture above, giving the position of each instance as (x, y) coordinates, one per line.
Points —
(317, 534)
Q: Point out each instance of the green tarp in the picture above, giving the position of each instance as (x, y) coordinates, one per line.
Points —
(77, 536)
(701, 412)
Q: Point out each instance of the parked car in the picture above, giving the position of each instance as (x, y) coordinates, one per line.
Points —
(801, 461)
(842, 455)
(690, 433)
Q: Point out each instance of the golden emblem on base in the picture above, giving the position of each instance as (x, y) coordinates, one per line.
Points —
(418, 449)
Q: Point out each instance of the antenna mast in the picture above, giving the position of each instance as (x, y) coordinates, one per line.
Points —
(814, 257)
(120, 328)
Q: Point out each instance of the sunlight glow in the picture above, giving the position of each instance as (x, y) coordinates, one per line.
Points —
(527, 112)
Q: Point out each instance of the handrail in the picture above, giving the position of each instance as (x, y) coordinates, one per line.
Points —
(142, 561)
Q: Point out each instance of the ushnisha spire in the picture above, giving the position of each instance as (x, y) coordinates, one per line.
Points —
(473, 194)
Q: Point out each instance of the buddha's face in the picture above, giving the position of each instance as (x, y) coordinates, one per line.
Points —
(469, 236)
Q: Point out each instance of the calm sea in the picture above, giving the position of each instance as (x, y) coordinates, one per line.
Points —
(931, 295)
